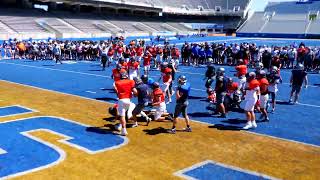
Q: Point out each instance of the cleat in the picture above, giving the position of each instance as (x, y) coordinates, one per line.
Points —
(248, 126)
(148, 121)
(118, 127)
(254, 124)
(188, 129)
(172, 131)
(124, 132)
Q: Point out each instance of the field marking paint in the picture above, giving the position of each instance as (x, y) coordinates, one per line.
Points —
(16, 114)
(62, 155)
(198, 165)
(92, 92)
(56, 148)
(61, 70)
(2, 151)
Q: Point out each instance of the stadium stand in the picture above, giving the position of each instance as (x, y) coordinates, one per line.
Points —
(284, 19)
(115, 17)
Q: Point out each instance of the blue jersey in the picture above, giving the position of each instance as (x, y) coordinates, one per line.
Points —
(184, 91)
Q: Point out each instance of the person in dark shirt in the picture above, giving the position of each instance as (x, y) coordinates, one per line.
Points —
(209, 76)
(266, 59)
(299, 75)
(221, 91)
(182, 95)
(143, 100)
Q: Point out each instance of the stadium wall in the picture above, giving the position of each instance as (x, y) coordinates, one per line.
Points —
(279, 35)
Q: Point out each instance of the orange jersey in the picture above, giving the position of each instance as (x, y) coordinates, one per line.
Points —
(253, 84)
(124, 88)
(263, 85)
(158, 93)
(117, 74)
(242, 70)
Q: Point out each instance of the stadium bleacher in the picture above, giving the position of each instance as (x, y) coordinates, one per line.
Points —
(59, 23)
(283, 19)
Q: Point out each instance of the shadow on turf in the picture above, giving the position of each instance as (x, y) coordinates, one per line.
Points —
(107, 99)
(195, 97)
(100, 130)
(224, 127)
(156, 131)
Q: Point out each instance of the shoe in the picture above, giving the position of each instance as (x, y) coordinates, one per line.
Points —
(248, 126)
(290, 101)
(296, 102)
(254, 124)
(222, 116)
(124, 132)
(172, 131)
(188, 129)
(267, 119)
(272, 111)
(118, 127)
(148, 121)
(170, 118)
(134, 125)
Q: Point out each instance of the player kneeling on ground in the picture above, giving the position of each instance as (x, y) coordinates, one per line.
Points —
(158, 101)
(182, 95)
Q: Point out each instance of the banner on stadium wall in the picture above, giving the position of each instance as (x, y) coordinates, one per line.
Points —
(206, 26)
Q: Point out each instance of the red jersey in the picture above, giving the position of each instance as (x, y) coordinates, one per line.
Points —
(158, 93)
(242, 70)
(124, 65)
(231, 88)
(263, 85)
(139, 51)
(253, 84)
(134, 65)
(132, 53)
(124, 88)
(117, 74)
(146, 59)
(110, 52)
(120, 50)
(175, 52)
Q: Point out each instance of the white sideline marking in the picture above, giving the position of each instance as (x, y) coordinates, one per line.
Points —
(61, 70)
(92, 92)
(198, 165)
(2, 151)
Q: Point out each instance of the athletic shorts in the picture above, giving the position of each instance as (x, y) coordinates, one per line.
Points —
(220, 97)
(181, 108)
(296, 88)
(146, 67)
(125, 105)
(264, 100)
(165, 86)
(242, 82)
(160, 110)
(249, 106)
(133, 75)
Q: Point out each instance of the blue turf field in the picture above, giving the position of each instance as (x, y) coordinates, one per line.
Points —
(292, 122)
